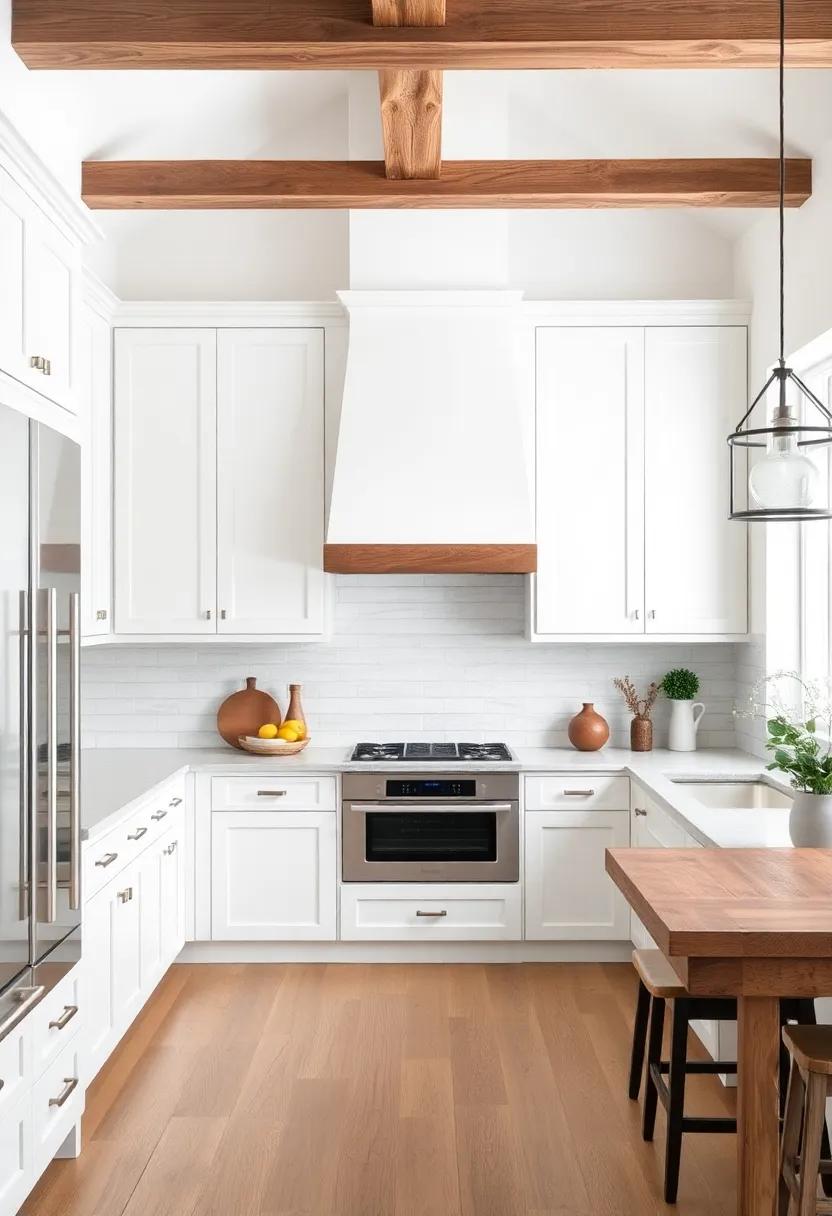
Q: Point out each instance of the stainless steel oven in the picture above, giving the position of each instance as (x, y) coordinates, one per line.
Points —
(418, 827)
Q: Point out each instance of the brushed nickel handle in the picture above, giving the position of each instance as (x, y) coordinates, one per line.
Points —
(125, 896)
(271, 793)
(75, 751)
(639, 812)
(175, 802)
(37, 362)
(432, 914)
(223, 614)
(157, 815)
(652, 614)
(70, 1084)
(207, 614)
(170, 849)
(578, 793)
(47, 367)
(106, 860)
(101, 614)
(636, 615)
(137, 835)
(50, 599)
(65, 1018)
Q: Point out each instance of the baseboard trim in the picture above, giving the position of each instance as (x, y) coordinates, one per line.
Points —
(406, 952)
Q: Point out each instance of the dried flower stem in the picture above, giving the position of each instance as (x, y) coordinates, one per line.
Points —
(641, 707)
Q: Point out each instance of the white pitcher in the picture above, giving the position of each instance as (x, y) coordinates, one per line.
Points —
(684, 723)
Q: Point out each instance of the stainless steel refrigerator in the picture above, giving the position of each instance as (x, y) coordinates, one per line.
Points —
(40, 853)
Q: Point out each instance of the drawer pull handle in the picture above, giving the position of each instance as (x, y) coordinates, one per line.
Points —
(106, 860)
(70, 1084)
(578, 793)
(125, 896)
(170, 849)
(66, 1017)
(431, 914)
(137, 835)
(271, 793)
(157, 815)
(175, 802)
(638, 812)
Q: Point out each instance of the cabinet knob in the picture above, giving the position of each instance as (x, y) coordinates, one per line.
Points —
(652, 614)
(207, 614)
(222, 614)
(101, 614)
(38, 363)
(170, 849)
(638, 812)
(47, 367)
(636, 615)
(125, 896)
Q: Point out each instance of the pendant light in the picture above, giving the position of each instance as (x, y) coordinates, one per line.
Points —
(785, 484)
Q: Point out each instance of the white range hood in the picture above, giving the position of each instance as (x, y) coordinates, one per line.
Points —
(431, 471)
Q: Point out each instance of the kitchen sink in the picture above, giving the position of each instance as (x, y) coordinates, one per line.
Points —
(737, 795)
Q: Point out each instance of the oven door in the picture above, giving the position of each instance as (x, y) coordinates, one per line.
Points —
(430, 842)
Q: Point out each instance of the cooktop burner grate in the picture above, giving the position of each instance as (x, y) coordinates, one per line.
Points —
(487, 752)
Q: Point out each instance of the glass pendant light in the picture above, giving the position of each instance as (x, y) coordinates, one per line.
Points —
(785, 484)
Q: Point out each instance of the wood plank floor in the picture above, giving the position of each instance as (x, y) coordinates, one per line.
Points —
(385, 1090)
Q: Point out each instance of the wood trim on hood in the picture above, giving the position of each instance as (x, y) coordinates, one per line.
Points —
(430, 559)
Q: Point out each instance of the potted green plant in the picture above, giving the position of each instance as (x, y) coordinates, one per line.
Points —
(798, 717)
(680, 686)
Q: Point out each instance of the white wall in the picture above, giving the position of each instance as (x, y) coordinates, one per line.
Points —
(413, 657)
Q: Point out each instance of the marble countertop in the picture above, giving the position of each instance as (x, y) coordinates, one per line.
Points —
(114, 779)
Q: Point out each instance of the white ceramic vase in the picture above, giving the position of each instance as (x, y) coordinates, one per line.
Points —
(684, 724)
(810, 820)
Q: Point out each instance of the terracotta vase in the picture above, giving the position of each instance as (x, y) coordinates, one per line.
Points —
(295, 711)
(588, 731)
(641, 735)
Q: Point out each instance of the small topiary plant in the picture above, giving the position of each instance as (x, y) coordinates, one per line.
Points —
(680, 684)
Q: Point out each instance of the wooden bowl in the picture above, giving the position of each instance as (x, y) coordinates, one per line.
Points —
(271, 747)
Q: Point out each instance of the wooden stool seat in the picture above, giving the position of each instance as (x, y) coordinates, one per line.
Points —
(657, 975)
(810, 1047)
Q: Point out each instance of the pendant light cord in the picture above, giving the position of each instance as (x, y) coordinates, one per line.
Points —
(782, 181)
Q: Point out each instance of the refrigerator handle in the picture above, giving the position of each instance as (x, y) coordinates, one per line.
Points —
(51, 754)
(25, 737)
(74, 751)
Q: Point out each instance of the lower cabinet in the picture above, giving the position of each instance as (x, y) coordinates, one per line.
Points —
(406, 911)
(273, 875)
(16, 1155)
(568, 894)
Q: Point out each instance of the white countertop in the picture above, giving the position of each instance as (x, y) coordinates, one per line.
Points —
(113, 779)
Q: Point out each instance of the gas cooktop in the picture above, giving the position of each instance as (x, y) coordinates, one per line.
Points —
(475, 752)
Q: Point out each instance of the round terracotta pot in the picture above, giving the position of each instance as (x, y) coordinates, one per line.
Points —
(641, 735)
(588, 731)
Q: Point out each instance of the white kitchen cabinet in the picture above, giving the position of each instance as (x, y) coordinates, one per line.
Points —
(695, 557)
(95, 382)
(148, 871)
(567, 891)
(424, 912)
(172, 896)
(270, 492)
(16, 1155)
(590, 500)
(100, 1023)
(632, 482)
(273, 875)
(126, 943)
(15, 213)
(165, 481)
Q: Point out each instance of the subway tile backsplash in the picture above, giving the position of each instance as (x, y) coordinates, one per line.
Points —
(411, 657)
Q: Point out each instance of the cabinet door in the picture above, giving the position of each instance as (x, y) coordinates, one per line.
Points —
(53, 278)
(100, 1020)
(148, 890)
(695, 557)
(165, 481)
(172, 896)
(273, 875)
(15, 210)
(270, 492)
(568, 893)
(17, 1170)
(590, 481)
(126, 953)
(96, 473)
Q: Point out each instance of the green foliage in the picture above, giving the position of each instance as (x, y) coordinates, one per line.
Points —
(680, 684)
(799, 753)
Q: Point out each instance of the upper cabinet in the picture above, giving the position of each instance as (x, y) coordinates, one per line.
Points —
(39, 299)
(219, 482)
(632, 483)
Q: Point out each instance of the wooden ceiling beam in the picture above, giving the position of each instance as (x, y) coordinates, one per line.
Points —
(411, 101)
(339, 34)
(203, 184)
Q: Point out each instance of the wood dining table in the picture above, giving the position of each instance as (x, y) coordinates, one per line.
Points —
(755, 924)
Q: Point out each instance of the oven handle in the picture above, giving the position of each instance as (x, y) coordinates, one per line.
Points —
(466, 808)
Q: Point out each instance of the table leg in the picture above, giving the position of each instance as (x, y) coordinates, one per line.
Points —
(758, 1105)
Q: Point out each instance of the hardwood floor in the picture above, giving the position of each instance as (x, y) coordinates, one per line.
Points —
(386, 1090)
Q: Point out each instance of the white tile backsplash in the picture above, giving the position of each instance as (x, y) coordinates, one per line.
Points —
(412, 656)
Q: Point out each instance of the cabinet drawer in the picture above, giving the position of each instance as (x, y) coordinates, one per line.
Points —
(16, 1159)
(577, 792)
(57, 1018)
(458, 912)
(15, 1066)
(156, 815)
(58, 1101)
(271, 792)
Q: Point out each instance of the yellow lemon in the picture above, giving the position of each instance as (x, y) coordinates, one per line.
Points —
(286, 732)
(297, 726)
(269, 731)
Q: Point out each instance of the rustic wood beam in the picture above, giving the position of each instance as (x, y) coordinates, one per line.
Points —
(339, 34)
(174, 185)
(411, 101)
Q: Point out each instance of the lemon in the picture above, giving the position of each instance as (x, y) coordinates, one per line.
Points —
(286, 732)
(297, 726)
(269, 731)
